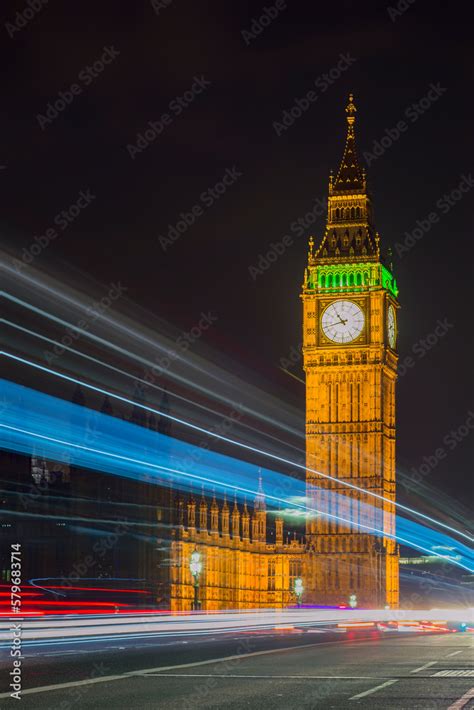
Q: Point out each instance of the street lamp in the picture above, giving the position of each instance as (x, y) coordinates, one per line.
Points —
(195, 566)
(298, 589)
(353, 601)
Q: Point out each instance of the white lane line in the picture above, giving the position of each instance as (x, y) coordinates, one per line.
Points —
(266, 677)
(463, 700)
(422, 668)
(454, 653)
(373, 690)
(61, 686)
(110, 678)
(453, 674)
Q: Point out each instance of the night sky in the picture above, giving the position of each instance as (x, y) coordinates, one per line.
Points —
(413, 66)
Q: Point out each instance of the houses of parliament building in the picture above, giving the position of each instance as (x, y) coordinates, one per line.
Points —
(350, 307)
(249, 560)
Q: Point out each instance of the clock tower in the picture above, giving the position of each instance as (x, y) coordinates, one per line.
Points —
(349, 351)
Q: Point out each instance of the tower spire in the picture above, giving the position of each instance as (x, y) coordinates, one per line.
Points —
(350, 232)
(349, 177)
(259, 503)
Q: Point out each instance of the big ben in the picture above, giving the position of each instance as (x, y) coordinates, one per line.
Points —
(350, 313)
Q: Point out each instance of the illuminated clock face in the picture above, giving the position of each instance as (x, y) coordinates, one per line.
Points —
(391, 331)
(342, 321)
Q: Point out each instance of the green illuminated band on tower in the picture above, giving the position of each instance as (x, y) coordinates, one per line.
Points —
(340, 278)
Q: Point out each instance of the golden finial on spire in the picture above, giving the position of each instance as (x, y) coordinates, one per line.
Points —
(351, 110)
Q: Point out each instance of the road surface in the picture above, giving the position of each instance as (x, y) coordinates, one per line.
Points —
(266, 670)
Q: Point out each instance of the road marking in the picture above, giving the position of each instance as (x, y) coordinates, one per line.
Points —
(373, 690)
(453, 674)
(422, 668)
(62, 653)
(462, 701)
(61, 686)
(110, 678)
(267, 677)
(454, 653)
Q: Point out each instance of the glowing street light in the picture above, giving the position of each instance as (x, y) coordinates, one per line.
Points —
(298, 589)
(353, 601)
(195, 565)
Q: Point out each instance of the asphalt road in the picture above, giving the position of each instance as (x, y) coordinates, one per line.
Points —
(264, 671)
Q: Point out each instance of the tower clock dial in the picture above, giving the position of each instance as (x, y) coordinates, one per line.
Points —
(391, 330)
(342, 321)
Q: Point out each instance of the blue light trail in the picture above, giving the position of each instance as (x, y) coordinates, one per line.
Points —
(125, 449)
(242, 445)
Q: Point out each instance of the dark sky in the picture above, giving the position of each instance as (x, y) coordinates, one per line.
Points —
(394, 62)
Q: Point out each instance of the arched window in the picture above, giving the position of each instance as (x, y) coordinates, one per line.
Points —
(352, 213)
(357, 211)
(347, 213)
(337, 212)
